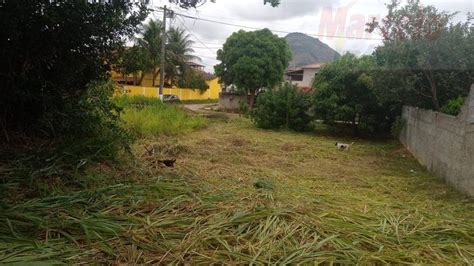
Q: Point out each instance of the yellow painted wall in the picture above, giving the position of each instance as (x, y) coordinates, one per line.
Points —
(182, 93)
(146, 88)
(148, 80)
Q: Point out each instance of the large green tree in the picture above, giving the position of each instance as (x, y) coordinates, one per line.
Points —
(425, 60)
(253, 61)
(134, 61)
(344, 96)
(49, 52)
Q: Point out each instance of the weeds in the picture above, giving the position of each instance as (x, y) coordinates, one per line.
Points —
(147, 117)
(325, 206)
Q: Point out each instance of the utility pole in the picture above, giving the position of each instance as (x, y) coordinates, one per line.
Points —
(163, 58)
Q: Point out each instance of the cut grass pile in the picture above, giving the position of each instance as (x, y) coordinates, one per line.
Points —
(243, 195)
(147, 117)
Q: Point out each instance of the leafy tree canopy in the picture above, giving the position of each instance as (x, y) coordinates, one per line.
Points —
(50, 51)
(253, 60)
(425, 60)
(344, 95)
(193, 80)
(134, 60)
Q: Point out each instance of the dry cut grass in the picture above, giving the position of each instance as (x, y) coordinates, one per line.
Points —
(244, 195)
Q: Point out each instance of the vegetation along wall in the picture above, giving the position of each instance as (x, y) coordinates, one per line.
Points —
(182, 93)
(443, 143)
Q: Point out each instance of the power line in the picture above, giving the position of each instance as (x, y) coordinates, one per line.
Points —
(278, 31)
(199, 40)
(204, 45)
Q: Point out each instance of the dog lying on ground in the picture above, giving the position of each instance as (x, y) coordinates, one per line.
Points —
(343, 146)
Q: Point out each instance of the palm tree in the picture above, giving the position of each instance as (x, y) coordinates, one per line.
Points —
(178, 53)
(178, 50)
(151, 43)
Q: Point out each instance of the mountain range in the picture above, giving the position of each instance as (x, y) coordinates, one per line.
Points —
(308, 50)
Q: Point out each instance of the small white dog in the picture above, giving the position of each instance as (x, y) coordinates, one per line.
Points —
(343, 146)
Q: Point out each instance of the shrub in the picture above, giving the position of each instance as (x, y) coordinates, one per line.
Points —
(97, 123)
(285, 107)
(145, 116)
(453, 107)
(91, 133)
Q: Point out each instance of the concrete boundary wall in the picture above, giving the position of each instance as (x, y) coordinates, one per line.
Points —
(231, 101)
(443, 143)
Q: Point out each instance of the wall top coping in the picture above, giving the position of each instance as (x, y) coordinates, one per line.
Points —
(467, 110)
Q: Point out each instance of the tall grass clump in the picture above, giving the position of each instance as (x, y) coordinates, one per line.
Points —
(145, 117)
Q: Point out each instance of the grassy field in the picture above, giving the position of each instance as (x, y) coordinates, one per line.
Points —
(240, 194)
(148, 117)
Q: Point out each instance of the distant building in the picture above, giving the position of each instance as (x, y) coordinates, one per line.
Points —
(303, 77)
(196, 66)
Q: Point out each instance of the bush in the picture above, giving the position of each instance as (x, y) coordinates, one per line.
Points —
(285, 107)
(145, 116)
(97, 123)
(453, 107)
(91, 133)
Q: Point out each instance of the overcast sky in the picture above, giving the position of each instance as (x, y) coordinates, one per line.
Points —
(344, 19)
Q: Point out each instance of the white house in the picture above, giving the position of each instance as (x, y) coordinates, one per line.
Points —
(303, 76)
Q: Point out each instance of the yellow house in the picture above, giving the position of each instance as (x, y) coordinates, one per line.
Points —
(146, 86)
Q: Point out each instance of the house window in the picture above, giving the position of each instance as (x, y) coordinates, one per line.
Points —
(296, 77)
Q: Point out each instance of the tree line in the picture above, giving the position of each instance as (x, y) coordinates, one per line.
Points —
(426, 60)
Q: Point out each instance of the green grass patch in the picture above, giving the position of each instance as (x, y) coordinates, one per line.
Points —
(147, 117)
